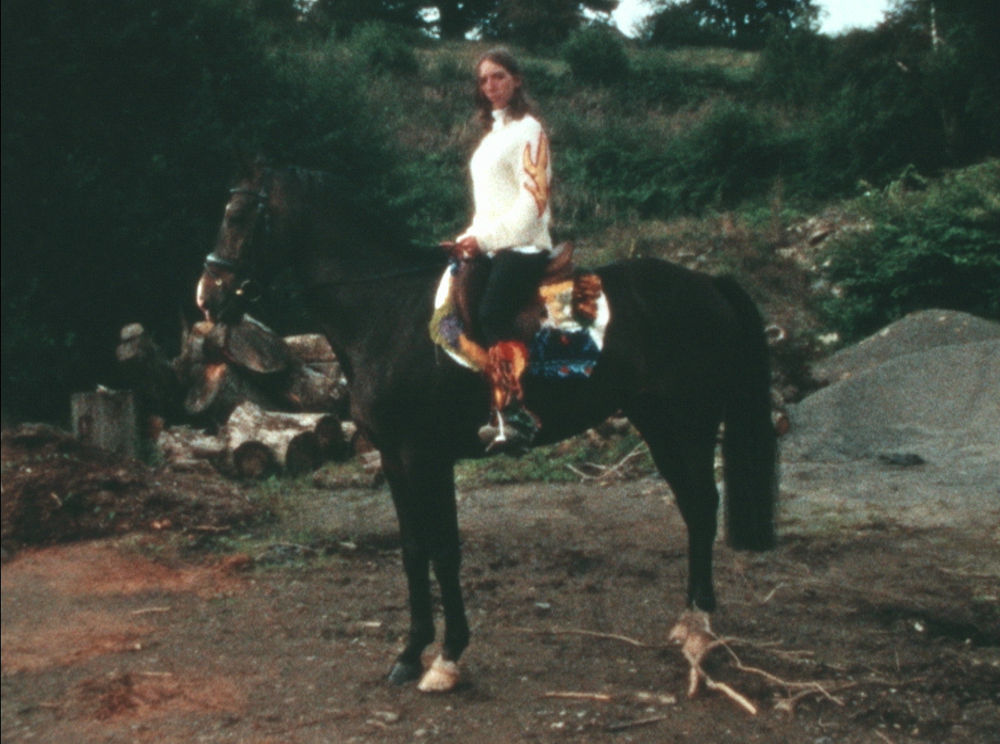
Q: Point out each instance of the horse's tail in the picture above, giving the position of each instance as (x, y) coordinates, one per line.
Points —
(749, 444)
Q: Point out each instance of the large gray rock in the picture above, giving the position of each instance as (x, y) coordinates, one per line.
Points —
(919, 331)
(928, 386)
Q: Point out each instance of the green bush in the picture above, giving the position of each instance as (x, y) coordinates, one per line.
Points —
(596, 55)
(793, 68)
(676, 26)
(929, 247)
(383, 48)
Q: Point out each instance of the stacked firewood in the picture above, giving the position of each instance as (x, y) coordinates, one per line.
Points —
(241, 397)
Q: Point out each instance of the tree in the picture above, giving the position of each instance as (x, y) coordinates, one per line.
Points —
(743, 22)
(345, 15)
(120, 123)
(956, 46)
(456, 18)
(537, 24)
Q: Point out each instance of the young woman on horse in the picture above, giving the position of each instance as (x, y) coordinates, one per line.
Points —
(510, 172)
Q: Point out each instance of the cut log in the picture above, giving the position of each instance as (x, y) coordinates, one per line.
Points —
(298, 442)
(215, 390)
(253, 346)
(310, 348)
(309, 389)
(107, 419)
(182, 446)
(254, 460)
(222, 366)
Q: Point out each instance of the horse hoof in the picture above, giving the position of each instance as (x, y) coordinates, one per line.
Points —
(403, 672)
(441, 677)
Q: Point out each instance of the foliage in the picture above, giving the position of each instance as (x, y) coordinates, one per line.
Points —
(596, 54)
(591, 455)
(539, 24)
(730, 154)
(383, 48)
(743, 22)
(930, 245)
(676, 26)
(877, 101)
(793, 68)
(343, 17)
(121, 120)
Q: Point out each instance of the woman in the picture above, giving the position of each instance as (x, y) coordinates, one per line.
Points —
(510, 172)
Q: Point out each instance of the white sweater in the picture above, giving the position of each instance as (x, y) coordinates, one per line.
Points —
(511, 170)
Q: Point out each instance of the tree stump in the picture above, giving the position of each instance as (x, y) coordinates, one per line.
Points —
(107, 419)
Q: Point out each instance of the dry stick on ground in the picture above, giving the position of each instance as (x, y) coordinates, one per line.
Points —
(600, 697)
(606, 471)
(635, 724)
(588, 633)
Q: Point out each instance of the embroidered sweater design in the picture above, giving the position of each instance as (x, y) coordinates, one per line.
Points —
(510, 172)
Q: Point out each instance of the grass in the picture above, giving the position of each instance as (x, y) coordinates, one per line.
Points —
(587, 455)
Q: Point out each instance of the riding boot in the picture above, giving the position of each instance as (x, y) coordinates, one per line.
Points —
(512, 427)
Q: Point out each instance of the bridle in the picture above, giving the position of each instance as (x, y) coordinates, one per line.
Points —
(247, 289)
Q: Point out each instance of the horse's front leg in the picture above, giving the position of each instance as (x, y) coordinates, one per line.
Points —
(416, 565)
(424, 495)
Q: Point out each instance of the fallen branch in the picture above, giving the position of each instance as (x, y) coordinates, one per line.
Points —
(625, 725)
(605, 472)
(588, 633)
(697, 640)
(600, 697)
(151, 610)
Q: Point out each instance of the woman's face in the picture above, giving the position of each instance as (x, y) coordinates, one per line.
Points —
(497, 84)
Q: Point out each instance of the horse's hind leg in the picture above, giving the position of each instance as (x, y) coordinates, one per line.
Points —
(685, 458)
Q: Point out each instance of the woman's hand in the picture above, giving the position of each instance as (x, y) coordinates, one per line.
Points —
(463, 249)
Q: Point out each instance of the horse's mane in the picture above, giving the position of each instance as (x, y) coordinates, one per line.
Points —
(326, 190)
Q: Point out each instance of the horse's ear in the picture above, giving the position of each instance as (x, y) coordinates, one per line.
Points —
(250, 164)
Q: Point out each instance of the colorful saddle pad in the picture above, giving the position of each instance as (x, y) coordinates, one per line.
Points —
(564, 347)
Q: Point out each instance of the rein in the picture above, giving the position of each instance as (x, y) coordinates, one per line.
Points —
(372, 279)
(238, 268)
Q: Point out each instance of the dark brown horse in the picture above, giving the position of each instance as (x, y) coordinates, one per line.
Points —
(684, 353)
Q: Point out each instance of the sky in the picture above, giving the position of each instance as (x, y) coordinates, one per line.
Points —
(836, 16)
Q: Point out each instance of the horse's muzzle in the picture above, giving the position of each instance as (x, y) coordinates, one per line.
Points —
(217, 296)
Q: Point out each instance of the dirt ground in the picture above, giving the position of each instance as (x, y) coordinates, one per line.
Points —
(877, 619)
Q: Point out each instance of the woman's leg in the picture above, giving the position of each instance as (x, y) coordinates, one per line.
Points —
(512, 285)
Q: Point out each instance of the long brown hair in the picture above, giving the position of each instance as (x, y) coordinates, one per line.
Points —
(519, 105)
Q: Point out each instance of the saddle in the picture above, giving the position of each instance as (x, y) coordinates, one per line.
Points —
(469, 283)
(559, 334)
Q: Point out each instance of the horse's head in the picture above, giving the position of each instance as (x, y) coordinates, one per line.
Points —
(245, 246)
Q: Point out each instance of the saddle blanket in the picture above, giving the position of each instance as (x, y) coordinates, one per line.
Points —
(564, 347)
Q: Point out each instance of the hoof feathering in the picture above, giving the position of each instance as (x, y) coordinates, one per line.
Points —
(441, 677)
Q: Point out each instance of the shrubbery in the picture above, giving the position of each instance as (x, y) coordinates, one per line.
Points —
(596, 54)
(383, 48)
(930, 245)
